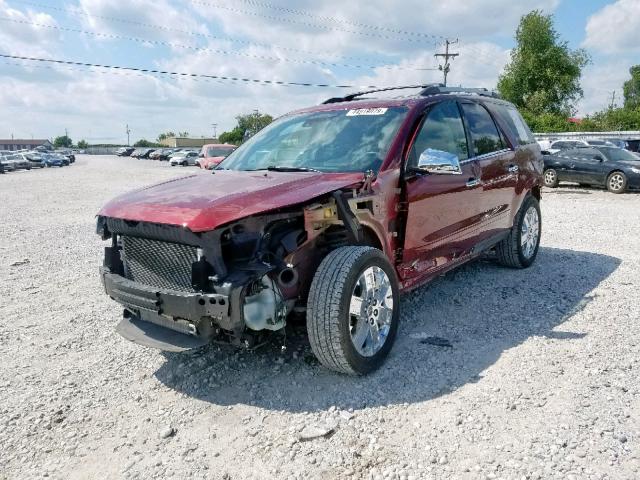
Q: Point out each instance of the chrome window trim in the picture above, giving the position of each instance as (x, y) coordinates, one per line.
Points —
(486, 155)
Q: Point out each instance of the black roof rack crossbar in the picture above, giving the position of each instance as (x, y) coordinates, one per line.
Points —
(436, 89)
(352, 96)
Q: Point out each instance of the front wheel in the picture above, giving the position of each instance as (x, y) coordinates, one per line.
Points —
(353, 310)
(550, 178)
(184, 164)
(617, 182)
(520, 248)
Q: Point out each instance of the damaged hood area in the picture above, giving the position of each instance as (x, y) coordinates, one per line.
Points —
(205, 201)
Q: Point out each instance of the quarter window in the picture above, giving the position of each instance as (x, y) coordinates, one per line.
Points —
(484, 134)
(442, 130)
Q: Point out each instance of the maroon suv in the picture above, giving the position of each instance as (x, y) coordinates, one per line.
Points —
(333, 211)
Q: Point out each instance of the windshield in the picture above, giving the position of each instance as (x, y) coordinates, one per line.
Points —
(218, 151)
(331, 141)
(616, 154)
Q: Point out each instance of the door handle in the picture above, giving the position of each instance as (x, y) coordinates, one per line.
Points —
(473, 182)
(513, 168)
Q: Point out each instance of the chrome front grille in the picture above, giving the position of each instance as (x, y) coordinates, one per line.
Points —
(158, 264)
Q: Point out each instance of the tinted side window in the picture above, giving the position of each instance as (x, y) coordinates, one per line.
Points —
(442, 130)
(484, 134)
(515, 123)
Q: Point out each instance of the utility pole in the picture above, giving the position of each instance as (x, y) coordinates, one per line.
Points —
(215, 131)
(446, 68)
(128, 133)
(66, 133)
(613, 100)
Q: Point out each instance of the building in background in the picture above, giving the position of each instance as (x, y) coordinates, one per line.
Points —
(177, 142)
(20, 144)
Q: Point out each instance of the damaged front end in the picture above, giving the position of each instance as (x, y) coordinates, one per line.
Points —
(237, 283)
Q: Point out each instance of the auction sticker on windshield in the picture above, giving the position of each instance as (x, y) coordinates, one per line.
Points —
(366, 111)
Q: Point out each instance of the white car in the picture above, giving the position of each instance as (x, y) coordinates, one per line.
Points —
(559, 145)
(184, 158)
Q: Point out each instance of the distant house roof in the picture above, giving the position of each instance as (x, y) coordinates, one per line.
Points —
(19, 141)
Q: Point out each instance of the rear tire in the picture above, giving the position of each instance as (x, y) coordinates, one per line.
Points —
(353, 310)
(520, 248)
(617, 182)
(551, 178)
(184, 164)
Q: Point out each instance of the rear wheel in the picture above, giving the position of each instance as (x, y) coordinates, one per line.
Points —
(520, 248)
(550, 178)
(617, 182)
(184, 164)
(352, 311)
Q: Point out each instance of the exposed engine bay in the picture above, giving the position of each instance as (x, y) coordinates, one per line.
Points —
(237, 283)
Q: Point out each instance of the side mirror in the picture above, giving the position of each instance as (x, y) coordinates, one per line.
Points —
(201, 155)
(438, 162)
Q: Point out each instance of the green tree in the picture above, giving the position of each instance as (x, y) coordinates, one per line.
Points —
(183, 134)
(631, 89)
(83, 144)
(234, 137)
(544, 74)
(247, 126)
(165, 135)
(62, 142)
(142, 143)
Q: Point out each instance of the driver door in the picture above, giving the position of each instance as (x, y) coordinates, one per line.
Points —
(443, 208)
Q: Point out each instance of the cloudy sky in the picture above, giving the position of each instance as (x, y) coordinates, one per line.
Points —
(377, 42)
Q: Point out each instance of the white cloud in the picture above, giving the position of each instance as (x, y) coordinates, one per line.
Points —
(96, 105)
(18, 35)
(599, 82)
(615, 28)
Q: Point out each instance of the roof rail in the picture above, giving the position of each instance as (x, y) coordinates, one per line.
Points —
(436, 89)
(352, 96)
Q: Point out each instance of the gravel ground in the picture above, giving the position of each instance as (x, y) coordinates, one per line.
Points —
(540, 380)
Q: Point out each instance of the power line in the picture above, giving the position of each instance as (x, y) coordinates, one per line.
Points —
(186, 75)
(74, 11)
(190, 47)
(325, 18)
(309, 24)
(446, 55)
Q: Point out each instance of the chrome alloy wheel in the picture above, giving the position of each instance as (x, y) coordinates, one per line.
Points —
(550, 177)
(370, 311)
(616, 182)
(530, 232)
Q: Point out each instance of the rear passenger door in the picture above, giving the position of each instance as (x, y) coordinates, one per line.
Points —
(498, 167)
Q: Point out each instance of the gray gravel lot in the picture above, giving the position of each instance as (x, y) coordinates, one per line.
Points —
(540, 381)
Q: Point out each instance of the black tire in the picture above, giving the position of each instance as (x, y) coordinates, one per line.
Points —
(510, 251)
(617, 182)
(551, 178)
(184, 164)
(328, 317)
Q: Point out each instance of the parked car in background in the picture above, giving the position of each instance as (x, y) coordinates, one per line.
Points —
(67, 153)
(54, 160)
(184, 158)
(332, 211)
(143, 152)
(7, 164)
(162, 154)
(212, 154)
(35, 158)
(21, 161)
(559, 145)
(125, 151)
(614, 168)
(618, 142)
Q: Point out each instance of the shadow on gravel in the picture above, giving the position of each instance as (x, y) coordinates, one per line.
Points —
(481, 309)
